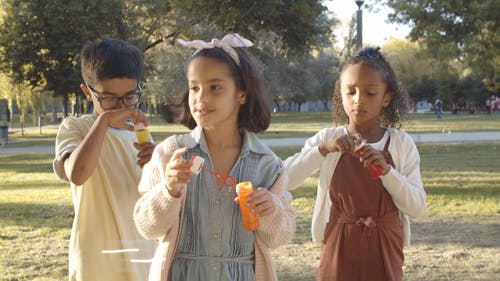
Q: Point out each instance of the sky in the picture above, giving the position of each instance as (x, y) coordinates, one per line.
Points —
(376, 30)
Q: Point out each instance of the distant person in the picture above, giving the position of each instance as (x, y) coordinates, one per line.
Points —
(494, 103)
(195, 216)
(362, 219)
(488, 105)
(100, 157)
(438, 107)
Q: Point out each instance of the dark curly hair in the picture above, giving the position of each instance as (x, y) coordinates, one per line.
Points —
(396, 111)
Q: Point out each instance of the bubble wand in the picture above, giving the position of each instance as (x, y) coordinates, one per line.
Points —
(375, 170)
(199, 164)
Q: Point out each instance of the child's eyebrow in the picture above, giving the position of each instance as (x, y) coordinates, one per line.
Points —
(208, 81)
(115, 94)
(215, 80)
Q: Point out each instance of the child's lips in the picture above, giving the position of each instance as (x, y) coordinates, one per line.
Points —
(203, 111)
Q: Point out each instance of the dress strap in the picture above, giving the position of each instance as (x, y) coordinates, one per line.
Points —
(386, 146)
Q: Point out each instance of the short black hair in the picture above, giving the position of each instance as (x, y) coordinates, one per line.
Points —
(109, 58)
(255, 113)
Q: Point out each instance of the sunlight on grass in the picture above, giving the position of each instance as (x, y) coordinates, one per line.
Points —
(297, 124)
(454, 240)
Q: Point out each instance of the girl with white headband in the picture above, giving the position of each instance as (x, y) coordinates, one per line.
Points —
(195, 216)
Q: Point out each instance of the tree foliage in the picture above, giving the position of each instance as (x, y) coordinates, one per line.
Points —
(40, 40)
(297, 23)
(468, 31)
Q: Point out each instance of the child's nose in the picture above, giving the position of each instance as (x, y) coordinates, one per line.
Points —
(357, 97)
(203, 96)
(120, 103)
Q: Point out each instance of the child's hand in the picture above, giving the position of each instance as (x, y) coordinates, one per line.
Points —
(263, 201)
(145, 152)
(117, 118)
(344, 143)
(177, 172)
(369, 155)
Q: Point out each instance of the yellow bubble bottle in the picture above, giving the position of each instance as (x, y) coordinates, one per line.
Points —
(250, 219)
(142, 133)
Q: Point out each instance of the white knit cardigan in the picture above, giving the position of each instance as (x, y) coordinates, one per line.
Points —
(403, 183)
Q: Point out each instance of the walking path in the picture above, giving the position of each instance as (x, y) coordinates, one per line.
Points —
(446, 137)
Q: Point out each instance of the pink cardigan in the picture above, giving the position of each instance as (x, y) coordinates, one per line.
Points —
(158, 216)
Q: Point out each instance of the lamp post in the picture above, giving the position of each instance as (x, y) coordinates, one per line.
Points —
(359, 25)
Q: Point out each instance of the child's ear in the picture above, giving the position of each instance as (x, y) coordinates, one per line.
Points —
(242, 97)
(387, 98)
(86, 92)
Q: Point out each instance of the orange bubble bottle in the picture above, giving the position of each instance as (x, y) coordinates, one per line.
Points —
(250, 220)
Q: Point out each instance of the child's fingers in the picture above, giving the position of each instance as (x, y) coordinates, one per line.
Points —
(145, 152)
(372, 156)
(139, 117)
(177, 169)
(145, 149)
(177, 176)
(265, 208)
(263, 201)
(346, 143)
(178, 154)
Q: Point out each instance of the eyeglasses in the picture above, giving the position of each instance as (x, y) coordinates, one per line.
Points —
(129, 100)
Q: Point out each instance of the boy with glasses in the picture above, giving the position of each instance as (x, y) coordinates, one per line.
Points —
(100, 157)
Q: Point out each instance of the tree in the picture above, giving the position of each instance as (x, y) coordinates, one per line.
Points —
(41, 40)
(6, 93)
(468, 31)
(296, 23)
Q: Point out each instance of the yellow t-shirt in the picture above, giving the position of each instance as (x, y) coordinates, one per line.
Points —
(104, 242)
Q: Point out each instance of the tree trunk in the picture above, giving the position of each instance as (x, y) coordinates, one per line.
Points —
(10, 111)
(65, 105)
(53, 119)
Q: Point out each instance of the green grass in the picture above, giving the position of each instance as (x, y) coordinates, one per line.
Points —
(289, 124)
(294, 124)
(457, 239)
(35, 219)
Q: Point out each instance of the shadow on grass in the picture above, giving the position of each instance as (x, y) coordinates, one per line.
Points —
(302, 272)
(39, 185)
(457, 231)
(463, 191)
(26, 162)
(36, 215)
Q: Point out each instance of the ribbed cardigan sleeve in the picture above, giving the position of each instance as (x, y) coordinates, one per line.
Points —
(278, 228)
(275, 230)
(156, 212)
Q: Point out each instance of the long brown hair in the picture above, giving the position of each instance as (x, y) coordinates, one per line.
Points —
(255, 114)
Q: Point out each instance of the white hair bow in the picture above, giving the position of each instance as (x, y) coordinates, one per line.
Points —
(227, 43)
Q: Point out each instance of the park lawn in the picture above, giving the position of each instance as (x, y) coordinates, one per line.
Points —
(457, 239)
(288, 125)
(300, 124)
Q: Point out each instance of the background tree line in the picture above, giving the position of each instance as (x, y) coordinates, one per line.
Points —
(452, 53)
